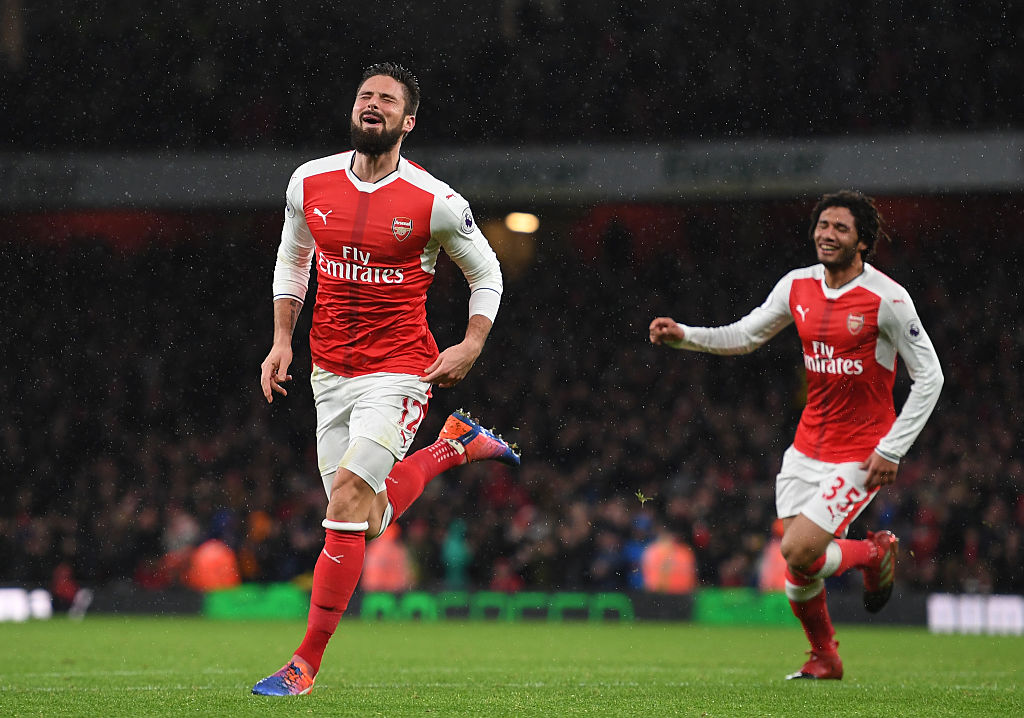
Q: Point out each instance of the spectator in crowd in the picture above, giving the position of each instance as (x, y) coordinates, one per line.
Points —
(669, 564)
(387, 566)
(212, 565)
(456, 555)
(771, 566)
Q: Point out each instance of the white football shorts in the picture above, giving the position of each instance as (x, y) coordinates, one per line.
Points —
(830, 495)
(384, 408)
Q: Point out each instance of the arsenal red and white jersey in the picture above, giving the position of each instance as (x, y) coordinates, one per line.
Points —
(375, 246)
(851, 337)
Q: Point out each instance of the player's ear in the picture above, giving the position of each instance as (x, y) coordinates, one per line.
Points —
(408, 123)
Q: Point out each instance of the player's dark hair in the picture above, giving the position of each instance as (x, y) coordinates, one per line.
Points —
(867, 219)
(403, 75)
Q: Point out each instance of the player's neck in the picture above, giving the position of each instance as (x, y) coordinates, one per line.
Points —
(836, 277)
(372, 168)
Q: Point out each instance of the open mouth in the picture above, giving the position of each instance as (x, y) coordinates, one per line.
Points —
(368, 118)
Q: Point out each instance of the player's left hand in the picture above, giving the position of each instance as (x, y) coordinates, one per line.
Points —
(451, 365)
(880, 470)
(665, 330)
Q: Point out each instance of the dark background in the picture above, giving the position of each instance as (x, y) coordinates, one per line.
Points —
(132, 427)
(206, 75)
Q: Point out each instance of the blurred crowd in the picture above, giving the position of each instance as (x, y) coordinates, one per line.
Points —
(223, 74)
(133, 429)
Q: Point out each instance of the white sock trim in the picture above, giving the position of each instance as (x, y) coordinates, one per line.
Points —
(833, 557)
(801, 594)
(385, 521)
(346, 525)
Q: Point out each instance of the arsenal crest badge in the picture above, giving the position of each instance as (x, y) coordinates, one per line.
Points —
(401, 227)
(854, 322)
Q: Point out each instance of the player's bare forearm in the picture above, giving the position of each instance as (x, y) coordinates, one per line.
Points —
(274, 369)
(453, 364)
(477, 330)
(286, 316)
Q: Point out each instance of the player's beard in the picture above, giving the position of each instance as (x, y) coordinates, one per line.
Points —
(374, 144)
(842, 259)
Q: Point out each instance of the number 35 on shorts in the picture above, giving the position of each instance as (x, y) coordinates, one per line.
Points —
(842, 498)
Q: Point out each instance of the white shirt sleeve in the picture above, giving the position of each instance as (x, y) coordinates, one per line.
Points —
(453, 225)
(899, 324)
(295, 253)
(747, 334)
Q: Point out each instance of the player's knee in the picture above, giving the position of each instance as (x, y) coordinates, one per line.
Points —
(350, 498)
(798, 555)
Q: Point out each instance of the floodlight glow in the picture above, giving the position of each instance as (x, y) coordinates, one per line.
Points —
(522, 222)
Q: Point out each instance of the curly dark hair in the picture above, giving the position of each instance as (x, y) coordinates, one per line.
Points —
(866, 217)
(403, 75)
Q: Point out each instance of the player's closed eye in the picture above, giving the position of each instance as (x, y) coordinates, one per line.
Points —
(839, 227)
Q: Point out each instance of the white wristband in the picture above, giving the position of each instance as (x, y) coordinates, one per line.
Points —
(485, 301)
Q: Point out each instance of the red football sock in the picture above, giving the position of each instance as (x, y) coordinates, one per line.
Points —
(853, 553)
(813, 615)
(410, 476)
(334, 579)
(857, 553)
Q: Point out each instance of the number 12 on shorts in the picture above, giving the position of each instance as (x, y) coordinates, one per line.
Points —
(412, 414)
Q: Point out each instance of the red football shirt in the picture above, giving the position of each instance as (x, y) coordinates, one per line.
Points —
(851, 337)
(849, 392)
(375, 247)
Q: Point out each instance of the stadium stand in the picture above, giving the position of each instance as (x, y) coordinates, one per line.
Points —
(143, 76)
(132, 427)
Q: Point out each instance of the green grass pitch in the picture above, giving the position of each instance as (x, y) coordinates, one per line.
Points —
(130, 666)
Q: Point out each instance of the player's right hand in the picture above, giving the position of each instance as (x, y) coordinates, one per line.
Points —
(665, 329)
(880, 470)
(274, 372)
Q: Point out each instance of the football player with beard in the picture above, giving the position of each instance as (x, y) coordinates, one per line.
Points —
(374, 223)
